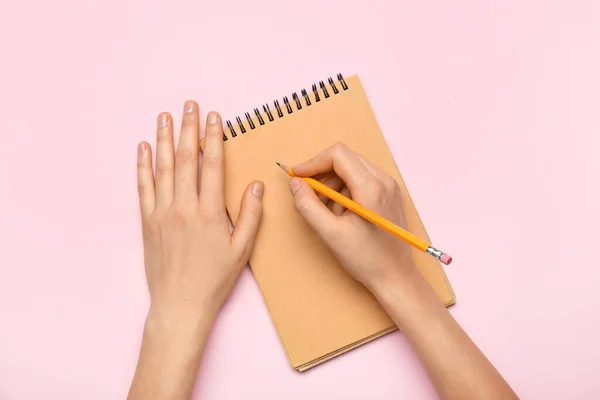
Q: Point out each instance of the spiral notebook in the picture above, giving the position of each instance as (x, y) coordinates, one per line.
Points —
(318, 309)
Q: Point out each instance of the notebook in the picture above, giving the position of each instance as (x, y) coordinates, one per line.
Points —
(318, 309)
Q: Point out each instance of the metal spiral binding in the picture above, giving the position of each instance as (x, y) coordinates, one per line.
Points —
(239, 121)
(249, 119)
(288, 107)
(260, 119)
(230, 127)
(267, 111)
(342, 81)
(316, 92)
(306, 98)
(279, 112)
(335, 89)
(296, 100)
(324, 89)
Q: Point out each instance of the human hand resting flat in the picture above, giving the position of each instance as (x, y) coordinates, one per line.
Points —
(192, 261)
(373, 256)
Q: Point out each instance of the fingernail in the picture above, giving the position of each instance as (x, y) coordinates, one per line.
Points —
(294, 185)
(258, 189)
(189, 106)
(212, 118)
(162, 120)
(142, 148)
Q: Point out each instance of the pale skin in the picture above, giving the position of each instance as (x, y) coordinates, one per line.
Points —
(192, 260)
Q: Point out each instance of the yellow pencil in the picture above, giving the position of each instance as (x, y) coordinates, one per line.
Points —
(373, 217)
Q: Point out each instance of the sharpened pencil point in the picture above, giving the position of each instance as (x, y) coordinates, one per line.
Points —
(284, 167)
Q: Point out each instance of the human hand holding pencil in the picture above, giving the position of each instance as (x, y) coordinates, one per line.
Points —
(357, 211)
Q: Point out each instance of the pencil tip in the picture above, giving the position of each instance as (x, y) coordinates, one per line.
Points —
(284, 167)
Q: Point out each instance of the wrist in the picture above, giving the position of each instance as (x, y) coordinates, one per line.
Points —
(396, 286)
(177, 331)
(405, 296)
(394, 274)
(170, 355)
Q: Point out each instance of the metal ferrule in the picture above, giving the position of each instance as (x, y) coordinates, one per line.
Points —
(432, 251)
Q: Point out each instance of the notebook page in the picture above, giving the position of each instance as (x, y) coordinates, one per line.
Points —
(316, 306)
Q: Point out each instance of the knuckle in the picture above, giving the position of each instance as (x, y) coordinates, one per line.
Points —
(164, 134)
(328, 231)
(332, 231)
(378, 189)
(215, 133)
(211, 162)
(189, 120)
(184, 156)
(254, 211)
(148, 229)
(179, 215)
(163, 171)
(390, 184)
(338, 148)
(143, 189)
(153, 226)
(302, 204)
(209, 213)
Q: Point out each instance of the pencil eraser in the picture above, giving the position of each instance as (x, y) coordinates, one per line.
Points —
(446, 259)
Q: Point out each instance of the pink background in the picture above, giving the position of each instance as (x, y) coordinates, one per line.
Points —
(490, 108)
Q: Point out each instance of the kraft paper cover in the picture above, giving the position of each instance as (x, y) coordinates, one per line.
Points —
(318, 309)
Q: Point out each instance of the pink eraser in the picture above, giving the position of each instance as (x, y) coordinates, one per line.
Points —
(446, 259)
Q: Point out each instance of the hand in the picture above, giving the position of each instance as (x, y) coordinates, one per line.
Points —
(192, 261)
(372, 255)
(383, 263)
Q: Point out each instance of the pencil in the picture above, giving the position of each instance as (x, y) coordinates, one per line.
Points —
(373, 217)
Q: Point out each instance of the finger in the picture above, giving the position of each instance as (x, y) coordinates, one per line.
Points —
(145, 179)
(322, 176)
(186, 157)
(330, 204)
(312, 209)
(248, 221)
(340, 159)
(334, 182)
(338, 209)
(212, 179)
(165, 160)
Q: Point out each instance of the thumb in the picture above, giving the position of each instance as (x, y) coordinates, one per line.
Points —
(248, 221)
(311, 208)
